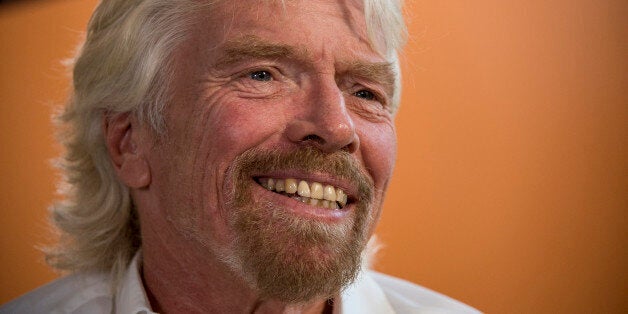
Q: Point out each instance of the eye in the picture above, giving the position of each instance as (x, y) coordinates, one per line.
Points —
(262, 76)
(365, 94)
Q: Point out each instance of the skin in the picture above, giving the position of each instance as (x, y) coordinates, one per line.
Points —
(221, 109)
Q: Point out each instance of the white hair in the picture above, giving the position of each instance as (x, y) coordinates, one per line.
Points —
(123, 66)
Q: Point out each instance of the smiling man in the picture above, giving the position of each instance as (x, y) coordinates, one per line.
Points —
(229, 157)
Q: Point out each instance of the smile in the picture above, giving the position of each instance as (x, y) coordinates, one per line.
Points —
(312, 193)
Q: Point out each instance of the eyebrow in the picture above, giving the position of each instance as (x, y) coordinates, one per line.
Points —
(253, 47)
(382, 73)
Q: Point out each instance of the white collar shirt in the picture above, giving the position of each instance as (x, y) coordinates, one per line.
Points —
(90, 293)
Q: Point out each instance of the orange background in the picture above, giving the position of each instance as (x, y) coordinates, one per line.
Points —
(510, 187)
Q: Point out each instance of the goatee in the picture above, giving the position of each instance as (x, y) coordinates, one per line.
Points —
(291, 258)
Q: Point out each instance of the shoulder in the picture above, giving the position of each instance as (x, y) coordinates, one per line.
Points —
(407, 297)
(77, 293)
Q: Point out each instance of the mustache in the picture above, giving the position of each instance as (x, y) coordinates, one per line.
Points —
(339, 164)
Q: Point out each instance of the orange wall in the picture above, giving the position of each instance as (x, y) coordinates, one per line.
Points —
(510, 187)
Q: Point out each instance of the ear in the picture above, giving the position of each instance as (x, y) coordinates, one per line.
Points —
(122, 136)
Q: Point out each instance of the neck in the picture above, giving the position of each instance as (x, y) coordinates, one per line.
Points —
(180, 280)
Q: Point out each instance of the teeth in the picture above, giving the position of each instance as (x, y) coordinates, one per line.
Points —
(265, 183)
(291, 186)
(341, 197)
(280, 185)
(304, 189)
(329, 193)
(313, 193)
(334, 205)
(316, 191)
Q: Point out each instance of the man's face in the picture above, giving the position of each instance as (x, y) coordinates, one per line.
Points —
(268, 99)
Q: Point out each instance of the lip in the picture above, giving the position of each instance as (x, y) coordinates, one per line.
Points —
(298, 208)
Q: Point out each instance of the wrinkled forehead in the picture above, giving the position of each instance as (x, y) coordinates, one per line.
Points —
(234, 15)
(349, 12)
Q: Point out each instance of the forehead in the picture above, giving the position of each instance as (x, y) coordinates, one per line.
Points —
(324, 26)
(260, 13)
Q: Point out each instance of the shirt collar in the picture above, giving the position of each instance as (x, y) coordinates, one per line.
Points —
(130, 295)
(362, 296)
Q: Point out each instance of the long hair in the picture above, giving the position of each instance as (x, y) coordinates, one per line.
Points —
(124, 65)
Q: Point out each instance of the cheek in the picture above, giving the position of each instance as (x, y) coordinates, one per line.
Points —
(226, 128)
(201, 145)
(235, 127)
(379, 148)
(378, 151)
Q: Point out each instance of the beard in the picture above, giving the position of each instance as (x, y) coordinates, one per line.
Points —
(287, 257)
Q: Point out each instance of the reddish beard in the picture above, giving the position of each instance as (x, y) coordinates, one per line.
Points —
(291, 258)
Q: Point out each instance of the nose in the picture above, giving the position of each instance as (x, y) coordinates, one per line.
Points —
(322, 120)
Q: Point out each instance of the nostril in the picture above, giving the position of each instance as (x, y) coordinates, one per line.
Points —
(351, 147)
(313, 138)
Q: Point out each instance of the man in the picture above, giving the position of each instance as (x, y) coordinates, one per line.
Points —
(229, 157)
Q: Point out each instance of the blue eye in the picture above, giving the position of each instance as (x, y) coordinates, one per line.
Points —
(365, 94)
(262, 76)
